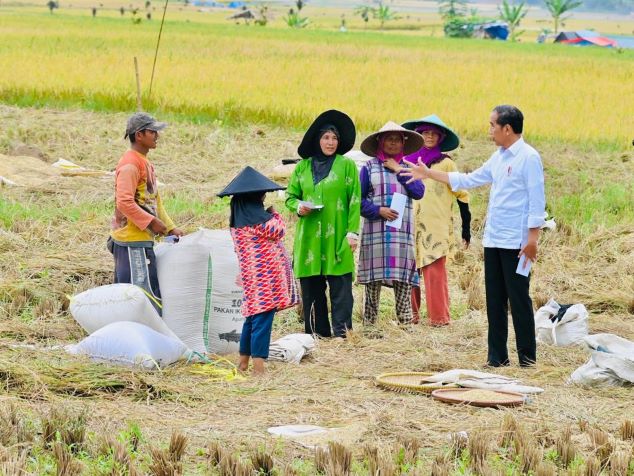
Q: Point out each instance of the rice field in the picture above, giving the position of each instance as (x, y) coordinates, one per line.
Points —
(209, 69)
(173, 422)
(239, 96)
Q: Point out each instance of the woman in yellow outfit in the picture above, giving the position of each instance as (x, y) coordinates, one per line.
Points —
(433, 217)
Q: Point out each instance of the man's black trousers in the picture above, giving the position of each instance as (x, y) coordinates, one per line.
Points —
(504, 285)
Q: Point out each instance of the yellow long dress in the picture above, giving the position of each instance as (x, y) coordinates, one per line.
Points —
(434, 218)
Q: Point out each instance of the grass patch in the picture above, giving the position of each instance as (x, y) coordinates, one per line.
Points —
(41, 210)
(596, 207)
(191, 209)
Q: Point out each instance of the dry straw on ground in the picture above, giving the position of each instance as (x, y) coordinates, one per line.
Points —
(52, 245)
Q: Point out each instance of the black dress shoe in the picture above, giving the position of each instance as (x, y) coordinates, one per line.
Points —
(498, 364)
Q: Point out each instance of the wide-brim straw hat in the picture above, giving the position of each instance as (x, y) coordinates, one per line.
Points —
(343, 123)
(451, 140)
(250, 180)
(413, 140)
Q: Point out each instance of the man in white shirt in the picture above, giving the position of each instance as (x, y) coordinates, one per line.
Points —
(514, 217)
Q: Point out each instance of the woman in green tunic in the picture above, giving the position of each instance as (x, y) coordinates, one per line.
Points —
(325, 193)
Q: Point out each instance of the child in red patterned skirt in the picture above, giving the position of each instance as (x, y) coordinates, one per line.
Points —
(267, 277)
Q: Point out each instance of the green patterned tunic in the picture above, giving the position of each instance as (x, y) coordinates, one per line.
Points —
(321, 246)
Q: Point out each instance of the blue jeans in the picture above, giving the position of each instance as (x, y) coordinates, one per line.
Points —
(256, 335)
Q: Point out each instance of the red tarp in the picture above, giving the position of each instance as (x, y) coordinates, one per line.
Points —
(584, 38)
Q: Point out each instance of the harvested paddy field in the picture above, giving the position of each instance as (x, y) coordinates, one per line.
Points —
(99, 419)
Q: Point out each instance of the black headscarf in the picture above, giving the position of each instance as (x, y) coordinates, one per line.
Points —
(322, 163)
(247, 209)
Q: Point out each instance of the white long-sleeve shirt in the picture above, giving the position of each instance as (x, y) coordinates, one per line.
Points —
(517, 200)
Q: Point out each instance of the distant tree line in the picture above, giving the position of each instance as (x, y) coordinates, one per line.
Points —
(460, 21)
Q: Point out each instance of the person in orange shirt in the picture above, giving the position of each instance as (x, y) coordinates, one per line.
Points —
(139, 213)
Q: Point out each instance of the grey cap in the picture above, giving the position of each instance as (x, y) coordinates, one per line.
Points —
(142, 121)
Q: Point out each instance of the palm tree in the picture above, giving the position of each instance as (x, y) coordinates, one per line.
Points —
(513, 15)
(52, 5)
(450, 9)
(383, 14)
(558, 7)
(365, 11)
(293, 19)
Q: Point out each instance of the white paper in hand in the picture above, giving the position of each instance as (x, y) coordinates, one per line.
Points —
(520, 266)
(311, 205)
(398, 205)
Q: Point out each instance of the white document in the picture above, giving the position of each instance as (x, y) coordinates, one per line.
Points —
(398, 205)
(310, 205)
(520, 266)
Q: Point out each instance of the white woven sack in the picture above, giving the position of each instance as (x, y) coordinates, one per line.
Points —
(201, 292)
(611, 361)
(132, 344)
(98, 307)
(592, 375)
(543, 325)
(571, 329)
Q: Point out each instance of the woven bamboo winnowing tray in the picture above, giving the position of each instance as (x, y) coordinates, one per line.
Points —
(408, 382)
(479, 397)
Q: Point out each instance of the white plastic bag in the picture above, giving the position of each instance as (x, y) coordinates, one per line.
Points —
(291, 348)
(569, 330)
(611, 361)
(200, 286)
(98, 307)
(130, 343)
(475, 379)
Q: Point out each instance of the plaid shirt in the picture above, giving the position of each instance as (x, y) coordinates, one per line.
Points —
(386, 254)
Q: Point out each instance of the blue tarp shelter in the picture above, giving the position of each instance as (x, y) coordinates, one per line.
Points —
(497, 30)
(206, 3)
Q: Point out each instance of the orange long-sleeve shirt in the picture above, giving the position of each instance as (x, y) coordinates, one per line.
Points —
(137, 201)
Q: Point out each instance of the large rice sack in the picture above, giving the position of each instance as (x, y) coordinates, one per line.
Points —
(98, 307)
(130, 343)
(200, 286)
(561, 330)
(611, 361)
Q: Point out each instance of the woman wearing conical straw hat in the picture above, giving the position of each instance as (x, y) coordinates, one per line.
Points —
(265, 269)
(387, 256)
(324, 192)
(433, 217)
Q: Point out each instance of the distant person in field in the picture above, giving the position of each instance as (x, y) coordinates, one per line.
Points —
(387, 256)
(433, 219)
(139, 213)
(515, 214)
(265, 268)
(324, 192)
